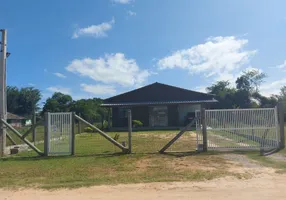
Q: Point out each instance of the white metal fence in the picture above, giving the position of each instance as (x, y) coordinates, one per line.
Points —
(240, 129)
(59, 133)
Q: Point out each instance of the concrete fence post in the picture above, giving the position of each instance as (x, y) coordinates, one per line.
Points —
(204, 129)
(129, 131)
(281, 124)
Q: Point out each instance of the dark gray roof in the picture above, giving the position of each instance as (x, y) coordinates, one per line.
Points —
(13, 116)
(158, 93)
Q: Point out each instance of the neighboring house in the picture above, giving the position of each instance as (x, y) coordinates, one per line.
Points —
(15, 120)
(157, 105)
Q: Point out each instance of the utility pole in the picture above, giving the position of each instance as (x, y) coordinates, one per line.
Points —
(3, 97)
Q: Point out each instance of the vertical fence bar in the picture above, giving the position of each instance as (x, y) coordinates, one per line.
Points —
(34, 121)
(79, 125)
(129, 131)
(46, 136)
(73, 134)
(204, 128)
(281, 125)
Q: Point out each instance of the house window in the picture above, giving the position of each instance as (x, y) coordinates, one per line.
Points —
(123, 113)
(158, 116)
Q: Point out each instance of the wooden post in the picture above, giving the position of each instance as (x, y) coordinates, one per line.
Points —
(11, 139)
(3, 97)
(73, 135)
(281, 124)
(108, 120)
(20, 136)
(129, 131)
(34, 121)
(78, 125)
(46, 138)
(204, 128)
(106, 136)
(178, 135)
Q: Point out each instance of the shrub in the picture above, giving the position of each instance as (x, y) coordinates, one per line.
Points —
(104, 127)
(105, 124)
(137, 123)
(88, 130)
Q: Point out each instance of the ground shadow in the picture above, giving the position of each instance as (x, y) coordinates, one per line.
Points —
(33, 158)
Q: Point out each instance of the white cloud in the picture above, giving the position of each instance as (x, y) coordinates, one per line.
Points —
(122, 1)
(31, 84)
(131, 13)
(96, 31)
(98, 89)
(112, 68)
(220, 58)
(201, 89)
(59, 75)
(270, 88)
(282, 66)
(59, 89)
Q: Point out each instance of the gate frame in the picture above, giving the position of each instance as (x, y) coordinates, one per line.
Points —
(279, 118)
(48, 134)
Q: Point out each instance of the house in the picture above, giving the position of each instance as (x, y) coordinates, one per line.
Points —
(15, 120)
(157, 106)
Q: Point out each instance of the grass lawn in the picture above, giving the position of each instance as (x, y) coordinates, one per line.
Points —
(99, 162)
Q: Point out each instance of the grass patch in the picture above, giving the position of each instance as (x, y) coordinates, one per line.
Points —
(99, 162)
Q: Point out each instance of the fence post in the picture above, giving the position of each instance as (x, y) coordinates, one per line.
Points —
(73, 134)
(78, 125)
(34, 121)
(46, 138)
(204, 128)
(281, 124)
(129, 131)
(3, 95)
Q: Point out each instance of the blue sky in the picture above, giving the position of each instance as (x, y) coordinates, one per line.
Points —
(101, 48)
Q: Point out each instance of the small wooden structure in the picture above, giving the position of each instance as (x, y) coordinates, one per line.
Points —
(15, 121)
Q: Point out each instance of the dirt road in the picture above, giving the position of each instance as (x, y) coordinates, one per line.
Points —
(262, 187)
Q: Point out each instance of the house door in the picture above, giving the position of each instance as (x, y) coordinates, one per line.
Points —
(158, 116)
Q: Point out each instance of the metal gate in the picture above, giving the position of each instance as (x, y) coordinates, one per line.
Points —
(59, 134)
(240, 129)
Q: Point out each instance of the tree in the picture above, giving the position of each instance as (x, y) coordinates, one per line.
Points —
(89, 109)
(266, 102)
(13, 94)
(224, 94)
(250, 80)
(58, 103)
(24, 101)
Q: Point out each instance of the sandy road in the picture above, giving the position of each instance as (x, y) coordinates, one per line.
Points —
(262, 187)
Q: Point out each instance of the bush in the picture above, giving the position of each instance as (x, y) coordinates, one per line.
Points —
(105, 124)
(137, 123)
(104, 127)
(88, 130)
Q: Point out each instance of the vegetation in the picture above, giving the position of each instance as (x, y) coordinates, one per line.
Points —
(137, 123)
(246, 94)
(89, 109)
(23, 101)
(88, 130)
(97, 162)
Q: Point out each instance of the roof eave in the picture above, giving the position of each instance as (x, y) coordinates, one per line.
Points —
(157, 103)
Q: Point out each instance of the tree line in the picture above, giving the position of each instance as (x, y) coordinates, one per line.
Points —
(245, 93)
(25, 102)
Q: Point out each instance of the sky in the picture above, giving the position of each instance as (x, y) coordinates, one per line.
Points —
(100, 48)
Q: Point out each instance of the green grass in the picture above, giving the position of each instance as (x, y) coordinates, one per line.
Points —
(39, 135)
(98, 162)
